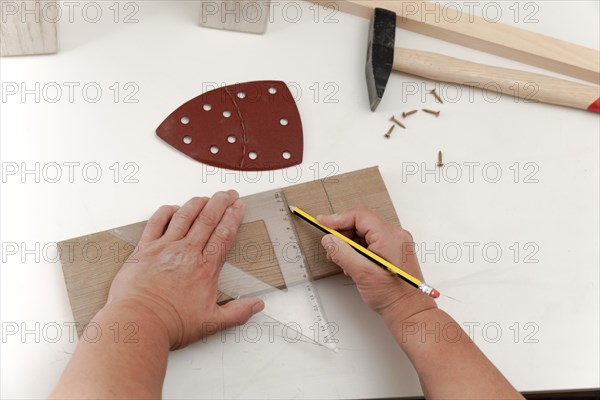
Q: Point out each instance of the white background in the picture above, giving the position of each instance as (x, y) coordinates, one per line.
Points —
(540, 317)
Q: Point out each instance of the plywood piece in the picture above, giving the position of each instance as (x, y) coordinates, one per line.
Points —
(91, 262)
(452, 25)
(334, 195)
(28, 27)
(365, 188)
(89, 265)
(236, 15)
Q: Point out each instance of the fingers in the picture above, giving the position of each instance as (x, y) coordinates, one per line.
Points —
(224, 233)
(206, 221)
(184, 218)
(156, 225)
(237, 312)
(365, 222)
(353, 263)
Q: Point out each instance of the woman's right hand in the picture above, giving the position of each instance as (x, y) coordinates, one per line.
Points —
(382, 291)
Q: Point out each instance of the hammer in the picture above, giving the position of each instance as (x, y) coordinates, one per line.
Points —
(382, 57)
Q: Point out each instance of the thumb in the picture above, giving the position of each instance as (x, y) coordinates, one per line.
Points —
(237, 312)
(347, 258)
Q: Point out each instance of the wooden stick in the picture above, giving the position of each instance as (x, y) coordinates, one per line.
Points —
(524, 85)
(452, 25)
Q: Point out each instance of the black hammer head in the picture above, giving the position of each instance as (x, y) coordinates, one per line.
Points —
(380, 54)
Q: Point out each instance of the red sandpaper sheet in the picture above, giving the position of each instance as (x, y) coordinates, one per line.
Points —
(252, 126)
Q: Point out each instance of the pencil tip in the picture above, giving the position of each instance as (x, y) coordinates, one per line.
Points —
(292, 208)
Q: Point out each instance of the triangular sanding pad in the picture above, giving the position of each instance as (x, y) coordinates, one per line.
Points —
(252, 126)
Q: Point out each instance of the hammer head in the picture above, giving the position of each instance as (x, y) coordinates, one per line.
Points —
(380, 54)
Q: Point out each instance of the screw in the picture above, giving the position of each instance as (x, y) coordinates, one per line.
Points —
(389, 132)
(440, 163)
(438, 98)
(408, 113)
(400, 124)
(436, 113)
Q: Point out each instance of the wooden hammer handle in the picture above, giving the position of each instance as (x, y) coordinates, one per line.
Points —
(524, 85)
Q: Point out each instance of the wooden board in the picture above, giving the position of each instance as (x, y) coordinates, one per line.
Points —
(90, 262)
(449, 24)
(28, 27)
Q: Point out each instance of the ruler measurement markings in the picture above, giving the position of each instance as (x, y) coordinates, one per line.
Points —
(320, 318)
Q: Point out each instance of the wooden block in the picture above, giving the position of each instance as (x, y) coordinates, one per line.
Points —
(90, 262)
(235, 15)
(452, 25)
(28, 27)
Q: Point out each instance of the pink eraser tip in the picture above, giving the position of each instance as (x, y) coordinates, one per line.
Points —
(434, 293)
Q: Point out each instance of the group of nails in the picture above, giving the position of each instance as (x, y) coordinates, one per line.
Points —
(409, 113)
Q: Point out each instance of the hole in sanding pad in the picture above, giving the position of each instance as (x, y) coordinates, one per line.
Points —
(207, 107)
(253, 155)
(286, 155)
(227, 114)
(231, 139)
(187, 140)
(284, 121)
(272, 90)
(214, 149)
(185, 120)
(241, 95)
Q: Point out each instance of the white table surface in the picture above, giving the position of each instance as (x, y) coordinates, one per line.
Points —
(534, 312)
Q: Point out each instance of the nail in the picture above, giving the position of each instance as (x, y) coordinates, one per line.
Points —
(389, 132)
(234, 193)
(239, 204)
(436, 113)
(409, 113)
(258, 307)
(440, 163)
(438, 98)
(400, 124)
(330, 216)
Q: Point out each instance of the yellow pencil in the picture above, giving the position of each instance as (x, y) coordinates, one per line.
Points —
(382, 262)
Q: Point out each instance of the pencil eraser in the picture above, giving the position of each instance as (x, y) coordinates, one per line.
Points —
(434, 293)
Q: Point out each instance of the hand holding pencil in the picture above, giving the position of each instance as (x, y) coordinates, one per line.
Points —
(446, 368)
(381, 291)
